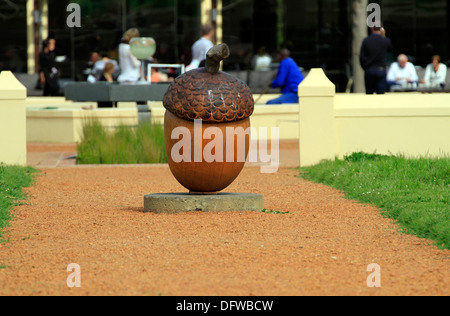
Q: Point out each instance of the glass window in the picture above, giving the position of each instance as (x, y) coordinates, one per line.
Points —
(173, 24)
(13, 37)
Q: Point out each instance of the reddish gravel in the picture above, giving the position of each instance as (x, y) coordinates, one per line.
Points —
(93, 216)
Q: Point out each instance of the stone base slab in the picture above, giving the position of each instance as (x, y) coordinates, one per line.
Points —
(173, 203)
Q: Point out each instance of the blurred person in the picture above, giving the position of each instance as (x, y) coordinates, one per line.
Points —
(48, 73)
(402, 73)
(262, 61)
(373, 59)
(157, 76)
(99, 66)
(89, 68)
(107, 75)
(288, 79)
(129, 64)
(108, 72)
(201, 47)
(93, 58)
(435, 74)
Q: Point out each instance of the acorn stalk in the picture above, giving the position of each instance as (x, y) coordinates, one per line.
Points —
(214, 56)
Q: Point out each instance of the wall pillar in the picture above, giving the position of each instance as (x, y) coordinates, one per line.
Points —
(316, 118)
(13, 142)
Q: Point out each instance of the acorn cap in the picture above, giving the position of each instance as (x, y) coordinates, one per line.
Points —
(208, 94)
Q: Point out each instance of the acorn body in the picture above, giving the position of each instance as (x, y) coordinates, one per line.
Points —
(204, 165)
(207, 126)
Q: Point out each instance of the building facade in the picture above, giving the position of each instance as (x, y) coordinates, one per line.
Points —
(318, 32)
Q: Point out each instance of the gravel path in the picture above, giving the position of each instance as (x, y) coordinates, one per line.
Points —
(92, 216)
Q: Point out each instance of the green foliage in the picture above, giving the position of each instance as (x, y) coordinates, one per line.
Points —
(273, 212)
(415, 192)
(360, 156)
(12, 180)
(124, 145)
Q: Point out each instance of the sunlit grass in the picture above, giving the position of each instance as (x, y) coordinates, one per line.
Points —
(12, 180)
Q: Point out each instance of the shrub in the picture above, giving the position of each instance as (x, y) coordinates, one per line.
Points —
(140, 144)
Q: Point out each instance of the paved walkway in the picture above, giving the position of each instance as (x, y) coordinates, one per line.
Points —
(322, 244)
(63, 155)
(51, 155)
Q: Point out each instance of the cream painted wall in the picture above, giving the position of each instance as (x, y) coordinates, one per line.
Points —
(284, 117)
(61, 102)
(413, 124)
(329, 124)
(409, 124)
(65, 125)
(13, 142)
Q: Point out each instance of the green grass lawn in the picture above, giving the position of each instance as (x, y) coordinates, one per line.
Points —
(414, 192)
(123, 145)
(12, 180)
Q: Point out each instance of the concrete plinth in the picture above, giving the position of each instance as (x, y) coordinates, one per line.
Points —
(173, 203)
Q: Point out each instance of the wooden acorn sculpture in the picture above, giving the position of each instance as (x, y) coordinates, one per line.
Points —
(207, 126)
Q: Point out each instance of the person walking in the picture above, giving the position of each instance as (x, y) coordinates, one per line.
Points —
(373, 59)
(48, 73)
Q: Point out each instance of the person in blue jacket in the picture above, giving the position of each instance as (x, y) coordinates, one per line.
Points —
(288, 78)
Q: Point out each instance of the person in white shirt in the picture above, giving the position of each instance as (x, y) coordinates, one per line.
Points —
(262, 61)
(201, 47)
(130, 65)
(99, 66)
(435, 74)
(402, 74)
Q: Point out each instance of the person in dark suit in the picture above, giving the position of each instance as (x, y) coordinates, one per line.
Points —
(373, 59)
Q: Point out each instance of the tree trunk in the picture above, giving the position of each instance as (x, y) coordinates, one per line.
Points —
(359, 33)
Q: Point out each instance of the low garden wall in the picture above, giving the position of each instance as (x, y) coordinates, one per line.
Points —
(285, 117)
(330, 125)
(65, 125)
(61, 102)
(13, 146)
(333, 125)
(57, 120)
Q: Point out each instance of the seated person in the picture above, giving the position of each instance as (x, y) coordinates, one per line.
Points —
(435, 74)
(288, 79)
(157, 76)
(402, 74)
(99, 66)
